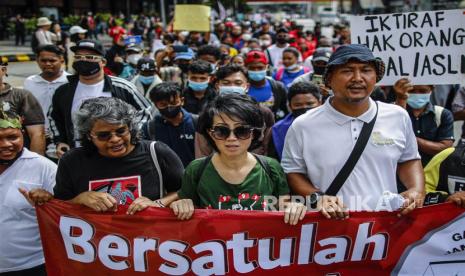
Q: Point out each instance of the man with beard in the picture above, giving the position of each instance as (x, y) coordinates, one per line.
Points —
(90, 82)
(50, 59)
(350, 150)
(21, 172)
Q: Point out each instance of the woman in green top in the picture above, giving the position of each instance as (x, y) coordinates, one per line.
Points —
(233, 178)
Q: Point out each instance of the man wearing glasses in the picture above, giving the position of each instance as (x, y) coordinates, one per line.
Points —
(90, 82)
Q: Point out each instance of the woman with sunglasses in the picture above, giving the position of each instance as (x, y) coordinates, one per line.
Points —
(113, 167)
(233, 178)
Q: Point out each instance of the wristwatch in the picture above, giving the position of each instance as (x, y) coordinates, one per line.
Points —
(314, 198)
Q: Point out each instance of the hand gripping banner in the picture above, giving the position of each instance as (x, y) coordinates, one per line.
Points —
(78, 241)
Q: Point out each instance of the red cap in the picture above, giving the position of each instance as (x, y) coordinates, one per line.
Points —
(256, 56)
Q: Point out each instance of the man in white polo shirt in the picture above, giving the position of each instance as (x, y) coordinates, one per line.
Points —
(320, 142)
(50, 59)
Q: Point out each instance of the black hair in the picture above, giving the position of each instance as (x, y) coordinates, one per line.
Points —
(200, 67)
(303, 87)
(228, 70)
(209, 50)
(292, 50)
(235, 106)
(50, 48)
(164, 91)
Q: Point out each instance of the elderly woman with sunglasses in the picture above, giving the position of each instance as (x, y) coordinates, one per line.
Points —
(113, 167)
(233, 178)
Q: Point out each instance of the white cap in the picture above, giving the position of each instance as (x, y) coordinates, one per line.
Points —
(77, 30)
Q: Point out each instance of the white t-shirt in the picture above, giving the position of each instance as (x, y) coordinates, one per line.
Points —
(21, 247)
(43, 90)
(319, 142)
(85, 91)
(276, 55)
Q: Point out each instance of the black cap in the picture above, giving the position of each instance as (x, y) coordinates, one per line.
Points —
(146, 64)
(89, 44)
(282, 30)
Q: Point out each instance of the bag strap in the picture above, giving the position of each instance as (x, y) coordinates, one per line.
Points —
(359, 147)
(202, 167)
(438, 114)
(263, 163)
(153, 154)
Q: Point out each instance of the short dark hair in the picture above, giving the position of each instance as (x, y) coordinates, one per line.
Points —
(303, 87)
(209, 50)
(50, 48)
(200, 67)
(228, 70)
(292, 50)
(234, 105)
(164, 91)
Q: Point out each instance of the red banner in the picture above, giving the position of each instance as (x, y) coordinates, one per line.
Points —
(429, 241)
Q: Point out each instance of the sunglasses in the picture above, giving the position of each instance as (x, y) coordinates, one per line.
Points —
(87, 57)
(106, 135)
(222, 132)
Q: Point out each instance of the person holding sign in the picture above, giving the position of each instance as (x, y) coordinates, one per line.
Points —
(433, 125)
(357, 145)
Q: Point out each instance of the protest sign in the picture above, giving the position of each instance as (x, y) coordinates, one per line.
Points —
(153, 242)
(192, 18)
(426, 47)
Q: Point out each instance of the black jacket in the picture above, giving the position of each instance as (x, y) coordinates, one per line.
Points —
(59, 114)
(279, 107)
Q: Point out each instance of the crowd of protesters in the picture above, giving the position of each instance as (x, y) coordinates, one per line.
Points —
(221, 120)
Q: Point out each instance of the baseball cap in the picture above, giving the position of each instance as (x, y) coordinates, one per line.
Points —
(146, 64)
(256, 56)
(322, 54)
(89, 44)
(282, 30)
(185, 54)
(77, 30)
(133, 48)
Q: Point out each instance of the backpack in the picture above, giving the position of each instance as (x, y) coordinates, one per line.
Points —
(153, 155)
(261, 159)
(280, 72)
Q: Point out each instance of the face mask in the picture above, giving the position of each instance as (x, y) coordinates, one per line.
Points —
(281, 40)
(297, 112)
(292, 67)
(184, 67)
(170, 112)
(118, 68)
(133, 59)
(318, 70)
(86, 68)
(232, 89)
(257, 75)
(265, 43)
(246, 37)
(416, 101)
(146, 80)
(198, 86)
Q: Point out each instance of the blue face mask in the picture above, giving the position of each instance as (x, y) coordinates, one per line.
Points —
(198, 86)
(257, 75)
(146, 80)
(232, 89)
(417, 101)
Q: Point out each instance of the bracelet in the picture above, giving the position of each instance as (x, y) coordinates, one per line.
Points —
(158, 201)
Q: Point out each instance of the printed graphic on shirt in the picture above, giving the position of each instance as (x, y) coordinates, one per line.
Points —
(268, 103)
(243, 201)
(378, 139)
(124, 189)
(456, 184)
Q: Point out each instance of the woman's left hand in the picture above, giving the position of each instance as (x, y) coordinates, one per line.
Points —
(294, 212)
(36, 196)
(141, 203)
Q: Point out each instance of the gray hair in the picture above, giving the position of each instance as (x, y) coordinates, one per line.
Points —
(110, 110)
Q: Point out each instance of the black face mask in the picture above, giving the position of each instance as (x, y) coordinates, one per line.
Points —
(184, 67)
(281, 40)
(297, 112)
(86, 68)
(170, 112)
(318, 70)
(117, 68)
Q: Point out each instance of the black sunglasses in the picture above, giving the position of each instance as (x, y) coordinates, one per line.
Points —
(106, 135)
(223, 132)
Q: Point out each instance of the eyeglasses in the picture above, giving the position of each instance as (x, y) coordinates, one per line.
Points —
(87, 57)
(222, 132)
(106, 135)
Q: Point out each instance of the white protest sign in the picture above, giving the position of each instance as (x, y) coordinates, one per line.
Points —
(427, 47)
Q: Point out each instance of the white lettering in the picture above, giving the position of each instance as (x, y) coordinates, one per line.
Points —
(113, 246)
(68, 226)
(217, 259)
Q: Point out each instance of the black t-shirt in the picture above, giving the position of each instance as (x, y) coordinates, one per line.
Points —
(125, 178)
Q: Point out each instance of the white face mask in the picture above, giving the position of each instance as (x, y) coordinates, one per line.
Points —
(133, 59)
(232, 89)
(246, 37)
